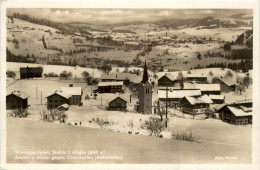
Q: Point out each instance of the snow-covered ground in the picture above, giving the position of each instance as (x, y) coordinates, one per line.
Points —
(25, 135)
(76, 71)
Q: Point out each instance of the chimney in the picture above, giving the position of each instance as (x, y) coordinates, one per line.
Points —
(71, 85)
(130, 98)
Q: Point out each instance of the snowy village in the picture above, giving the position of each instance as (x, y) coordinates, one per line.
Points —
(148, 91)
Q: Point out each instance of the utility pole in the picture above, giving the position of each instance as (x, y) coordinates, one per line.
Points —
(101, 100)
(36, 93)
(166, 106)
(41, 98)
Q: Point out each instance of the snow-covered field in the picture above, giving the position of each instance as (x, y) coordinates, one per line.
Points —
(76, 71)
(24, 135)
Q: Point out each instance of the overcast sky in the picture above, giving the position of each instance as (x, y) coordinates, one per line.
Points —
(111, 16)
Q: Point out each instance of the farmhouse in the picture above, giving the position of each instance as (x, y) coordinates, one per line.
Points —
(119, 103)
(127, 78)
(204, 88)
(110, 87)
(76, 94)
(195, 105)
(57, 99)
(173, 97)
(30, 72)
(167, 80)
(198, 78)
(239, 113)
(226, 84)
(66, 95)
(17, 100)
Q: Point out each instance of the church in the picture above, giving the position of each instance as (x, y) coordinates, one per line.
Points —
(145, 94)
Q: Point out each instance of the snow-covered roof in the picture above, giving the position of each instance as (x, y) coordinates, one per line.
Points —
(195, 75)
(72, 90)
(122, 76)
(61, 93)
(202, 87)
(178, 93)
(228, 81)
(19, 94)
(113, 83)
(65, 105)
(206, 99)
(170, 76)
(197, 100)
(239, 112)
(218, 97)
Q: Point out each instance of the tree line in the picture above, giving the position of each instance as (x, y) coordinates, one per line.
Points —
(64, 28)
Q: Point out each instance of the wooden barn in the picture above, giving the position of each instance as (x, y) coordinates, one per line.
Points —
(66, 95)
(226, 84)
(118, 103)
(127, 78)
(30, 72)
(57, 99)
(17, 100)
(167, 80)
(76, 94)
(196, 78)
(110, 87)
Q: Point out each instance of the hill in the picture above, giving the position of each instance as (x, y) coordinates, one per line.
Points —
(208, 22)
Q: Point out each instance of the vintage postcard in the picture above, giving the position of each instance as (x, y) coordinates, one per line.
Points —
(130, 85)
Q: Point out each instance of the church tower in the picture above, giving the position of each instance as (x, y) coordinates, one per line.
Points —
(145, 94)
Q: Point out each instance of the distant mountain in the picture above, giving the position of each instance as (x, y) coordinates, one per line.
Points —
(208, 22)
(242, 16)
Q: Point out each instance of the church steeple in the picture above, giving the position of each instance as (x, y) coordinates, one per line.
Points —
(145, 75)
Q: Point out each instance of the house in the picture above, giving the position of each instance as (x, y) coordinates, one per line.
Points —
(65, 95)
(30, 72)
(167, 80)
(173, 96)
(127, 78)
(195, 105)
(17, 100)
(239, 113)
(198, 78)
(76, 94)
(118, 103)
(204, 88)
(226, 84)
(57, 99)
(217, 99)
(110, 87)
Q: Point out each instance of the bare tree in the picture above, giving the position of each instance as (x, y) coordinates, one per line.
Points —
(154, 125)
(247, 81)
(240, 87)
(229, 74)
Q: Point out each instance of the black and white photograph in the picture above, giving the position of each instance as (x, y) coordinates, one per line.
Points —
(130, 85)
